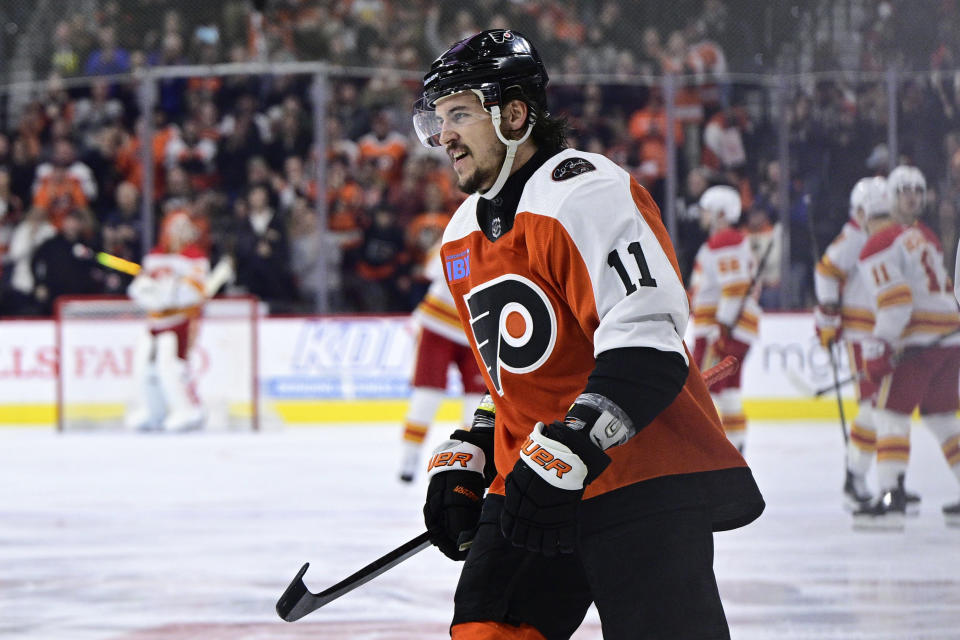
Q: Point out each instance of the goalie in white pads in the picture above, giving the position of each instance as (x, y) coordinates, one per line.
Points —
(844, 310)
(170, 288)
(910, 354)
(725, 315)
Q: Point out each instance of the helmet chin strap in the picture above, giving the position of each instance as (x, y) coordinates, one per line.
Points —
(507, 165)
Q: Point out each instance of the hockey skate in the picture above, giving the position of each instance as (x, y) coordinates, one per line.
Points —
(408, 465)
(951, 514)
(142, 419)
(855, 493)
(913, 500)
(886, 513)
(186, 419)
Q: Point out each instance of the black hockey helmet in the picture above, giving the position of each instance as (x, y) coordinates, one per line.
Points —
(488, 63)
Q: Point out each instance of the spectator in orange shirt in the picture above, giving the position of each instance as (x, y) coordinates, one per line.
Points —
(59, 194)
(384, 148)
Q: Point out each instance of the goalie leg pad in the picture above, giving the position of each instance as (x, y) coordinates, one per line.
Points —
(183, 405)
(146, 409)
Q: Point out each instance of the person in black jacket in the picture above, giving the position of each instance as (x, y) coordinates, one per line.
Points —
(65, 264)
(263, 251)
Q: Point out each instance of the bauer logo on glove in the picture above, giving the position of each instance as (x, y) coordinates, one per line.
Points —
(537, 454)
(553, 461)
(450, 459)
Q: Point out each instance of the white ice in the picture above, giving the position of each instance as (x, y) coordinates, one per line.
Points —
(154, 537)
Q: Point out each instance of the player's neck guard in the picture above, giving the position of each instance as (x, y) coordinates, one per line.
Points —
(512, 146)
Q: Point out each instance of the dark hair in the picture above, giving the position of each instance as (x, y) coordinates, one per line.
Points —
(549, 133)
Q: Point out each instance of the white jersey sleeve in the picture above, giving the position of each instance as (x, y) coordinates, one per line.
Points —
(914, 305)
(837, 263)
(640, 299)
(437, 311)
(724, 272)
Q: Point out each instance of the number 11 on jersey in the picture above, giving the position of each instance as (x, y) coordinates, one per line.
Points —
(646, 280)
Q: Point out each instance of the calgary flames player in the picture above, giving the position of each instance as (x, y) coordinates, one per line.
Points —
(913, 354)
(440, 343)
(908, 191)
(170, 288)
(607, 466)
(844, 311)
(725, 314)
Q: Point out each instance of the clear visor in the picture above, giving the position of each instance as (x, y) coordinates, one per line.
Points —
(427, 123)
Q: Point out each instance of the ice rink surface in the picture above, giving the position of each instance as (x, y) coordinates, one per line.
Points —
(160, 537)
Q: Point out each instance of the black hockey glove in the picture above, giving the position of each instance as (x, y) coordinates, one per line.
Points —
(544, 489)
(460, 470)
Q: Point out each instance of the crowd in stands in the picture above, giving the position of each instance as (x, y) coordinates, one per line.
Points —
(236, 152)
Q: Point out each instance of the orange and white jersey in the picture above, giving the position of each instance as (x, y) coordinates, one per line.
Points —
(587, 267)
(437, 311)
(170, 286)
(903, 270)
(722, 272)
(387, 154)
(838, 281)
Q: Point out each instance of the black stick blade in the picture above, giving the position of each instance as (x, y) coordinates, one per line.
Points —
(292, 605)
(297, 601)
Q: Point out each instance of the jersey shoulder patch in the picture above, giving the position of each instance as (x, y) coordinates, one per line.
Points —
(570, 168)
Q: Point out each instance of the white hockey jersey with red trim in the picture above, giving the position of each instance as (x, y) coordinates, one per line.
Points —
(587, 267)
(170, 286)
(437, 311)
(722, 273)
(903, 270)
(838, 281)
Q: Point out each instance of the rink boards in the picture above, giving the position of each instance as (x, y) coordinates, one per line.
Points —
(338, 369)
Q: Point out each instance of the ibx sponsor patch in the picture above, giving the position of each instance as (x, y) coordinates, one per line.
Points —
(458, 266)
(572, 167)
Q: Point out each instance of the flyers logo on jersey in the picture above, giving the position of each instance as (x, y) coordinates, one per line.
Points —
(571, 167)
(514, 325)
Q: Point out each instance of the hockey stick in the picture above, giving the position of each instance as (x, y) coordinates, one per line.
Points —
(117, 263)
(913, 354)
(743, 303)
(815, 249)
(221, 274)
(297, 600)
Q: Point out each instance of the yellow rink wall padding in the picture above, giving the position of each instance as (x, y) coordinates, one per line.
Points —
(312, 412)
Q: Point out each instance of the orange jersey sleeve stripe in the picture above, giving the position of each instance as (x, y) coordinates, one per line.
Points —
(735, 290)
(830, 270)
(898, 295)
(436, 309)
(749, 322)
(857, 315)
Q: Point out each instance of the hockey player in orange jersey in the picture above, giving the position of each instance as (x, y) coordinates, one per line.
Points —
(912, 353)
(440, 343)
(726, 316)
(170, 288)
(607, 470)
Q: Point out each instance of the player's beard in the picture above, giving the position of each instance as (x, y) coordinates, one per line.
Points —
(474, 182)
